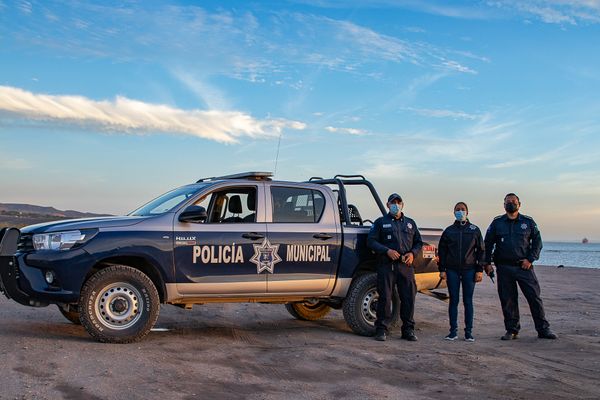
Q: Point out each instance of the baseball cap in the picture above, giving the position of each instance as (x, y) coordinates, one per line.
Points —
(394, 196)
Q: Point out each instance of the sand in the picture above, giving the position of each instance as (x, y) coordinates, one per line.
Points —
(258, 351)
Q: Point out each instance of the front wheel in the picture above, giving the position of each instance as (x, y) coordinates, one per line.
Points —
(119, 304)
(360, 306)
(308, 311)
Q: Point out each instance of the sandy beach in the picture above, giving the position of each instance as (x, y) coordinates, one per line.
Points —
(259, 351)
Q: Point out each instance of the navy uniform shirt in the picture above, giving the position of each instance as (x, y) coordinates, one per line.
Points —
(508, 241)
(399, 234)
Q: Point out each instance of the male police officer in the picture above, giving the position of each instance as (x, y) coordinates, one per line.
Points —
(516, 243)
(396, 240)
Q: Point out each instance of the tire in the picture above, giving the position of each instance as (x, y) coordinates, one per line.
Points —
(360, 306)
(118, 304)
(308, 311)
(72, 315)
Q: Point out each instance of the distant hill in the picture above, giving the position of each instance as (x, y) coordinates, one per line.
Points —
(19, 215)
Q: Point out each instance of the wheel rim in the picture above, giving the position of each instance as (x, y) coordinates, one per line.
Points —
(119, 305)
(369, 306)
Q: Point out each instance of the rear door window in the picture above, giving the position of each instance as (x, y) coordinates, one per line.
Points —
(297, 204)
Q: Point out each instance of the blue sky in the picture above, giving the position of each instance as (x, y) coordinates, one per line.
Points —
(105, 105)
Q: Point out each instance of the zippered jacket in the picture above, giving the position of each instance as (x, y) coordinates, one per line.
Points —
(461, 247)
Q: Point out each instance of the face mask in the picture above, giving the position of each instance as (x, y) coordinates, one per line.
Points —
(395, 209)
(460, 215)
(511, 207)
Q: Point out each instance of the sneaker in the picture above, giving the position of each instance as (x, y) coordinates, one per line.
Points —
(410, 336)
(510, 336)
(469, 337)
(451, 336)
(547, 334)
(380, 336)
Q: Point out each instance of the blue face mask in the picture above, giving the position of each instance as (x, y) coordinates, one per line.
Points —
(460, 215)
(395, 209)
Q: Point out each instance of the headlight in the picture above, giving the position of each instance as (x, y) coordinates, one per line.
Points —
(62, 240)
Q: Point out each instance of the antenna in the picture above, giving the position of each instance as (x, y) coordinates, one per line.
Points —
(277, 155)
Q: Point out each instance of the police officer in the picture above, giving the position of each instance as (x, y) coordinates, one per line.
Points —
(461, 259)
(514, 242)
(396, 240)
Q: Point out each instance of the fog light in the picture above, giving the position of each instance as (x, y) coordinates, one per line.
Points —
(50, 277)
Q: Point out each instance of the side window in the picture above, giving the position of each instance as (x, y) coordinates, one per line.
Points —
(232, 205)
(297, 204)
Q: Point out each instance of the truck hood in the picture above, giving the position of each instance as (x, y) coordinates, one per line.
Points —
(84, 223)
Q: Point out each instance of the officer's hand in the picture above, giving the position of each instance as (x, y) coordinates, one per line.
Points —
(408, 258)
(525, 264)
(443, 276)
(393, 254)
(478, 276)
(488, 269)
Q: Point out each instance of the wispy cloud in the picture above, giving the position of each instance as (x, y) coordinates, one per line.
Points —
(10, 163)
(349, 131)
(132, 116)
(267, 46)
(571, 12)
(440, 113)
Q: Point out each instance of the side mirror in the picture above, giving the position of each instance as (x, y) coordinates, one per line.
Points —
(193, 214)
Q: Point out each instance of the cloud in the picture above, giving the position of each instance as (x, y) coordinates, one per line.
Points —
(260, 47)
(350, 131)
(15, 164)
(132, 116)
(443, 113)
(570, 12)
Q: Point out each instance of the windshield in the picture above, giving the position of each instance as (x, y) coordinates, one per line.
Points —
(167, 201)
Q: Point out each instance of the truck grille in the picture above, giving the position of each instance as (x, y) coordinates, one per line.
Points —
(25, 242)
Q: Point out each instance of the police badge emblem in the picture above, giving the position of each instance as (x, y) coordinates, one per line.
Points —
(265, 256)
(409, 225)
(523, 226)
(472, 227)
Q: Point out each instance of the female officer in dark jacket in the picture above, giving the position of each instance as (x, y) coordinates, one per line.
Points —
(461, 261)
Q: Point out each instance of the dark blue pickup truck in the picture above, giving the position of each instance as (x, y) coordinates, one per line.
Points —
(236, 238)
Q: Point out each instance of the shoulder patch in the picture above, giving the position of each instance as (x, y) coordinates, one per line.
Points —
(499, 216)
(472, 227)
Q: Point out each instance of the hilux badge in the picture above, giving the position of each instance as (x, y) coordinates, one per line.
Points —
(265, 256)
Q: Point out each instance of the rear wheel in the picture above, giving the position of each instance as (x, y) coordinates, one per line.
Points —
(308, 311)
(71, 313)
(119, 304)
(360, 306)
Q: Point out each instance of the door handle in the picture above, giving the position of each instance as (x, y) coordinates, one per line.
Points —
(322, 236)
(253, 236)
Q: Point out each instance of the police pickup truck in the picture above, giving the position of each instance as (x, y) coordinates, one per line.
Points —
(235, 238)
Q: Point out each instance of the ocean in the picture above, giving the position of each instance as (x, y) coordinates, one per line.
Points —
(570, 254)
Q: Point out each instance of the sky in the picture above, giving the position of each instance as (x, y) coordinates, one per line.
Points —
(105, 105)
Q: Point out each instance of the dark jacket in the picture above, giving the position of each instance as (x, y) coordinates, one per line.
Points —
(508, 241)
(399, 234)
(461, 247)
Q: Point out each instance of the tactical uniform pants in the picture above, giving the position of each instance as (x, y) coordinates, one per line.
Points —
(403, 276)
(508, 278)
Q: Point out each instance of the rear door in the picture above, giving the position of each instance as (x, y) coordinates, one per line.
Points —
(214, 258)
(303, 228)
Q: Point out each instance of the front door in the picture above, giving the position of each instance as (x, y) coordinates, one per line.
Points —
(302, 227)
(217, 257)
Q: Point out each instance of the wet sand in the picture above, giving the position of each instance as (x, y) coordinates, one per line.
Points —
(259, 351)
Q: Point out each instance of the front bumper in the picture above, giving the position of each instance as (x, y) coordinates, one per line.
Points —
(22, 275)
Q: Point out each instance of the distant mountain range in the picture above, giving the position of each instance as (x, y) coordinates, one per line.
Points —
(19, 215)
